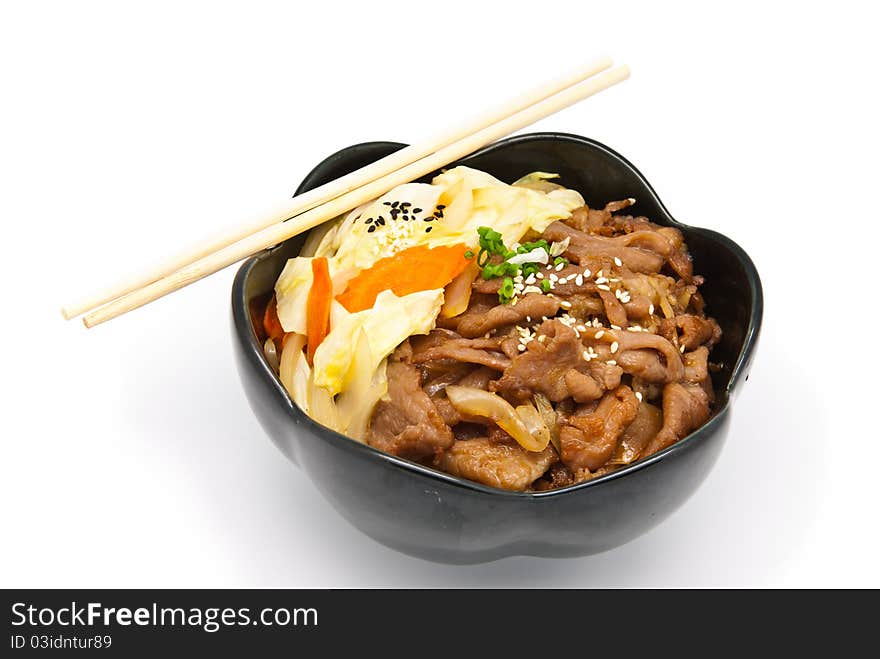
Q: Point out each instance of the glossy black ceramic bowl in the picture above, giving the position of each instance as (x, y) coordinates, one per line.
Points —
(433, 515)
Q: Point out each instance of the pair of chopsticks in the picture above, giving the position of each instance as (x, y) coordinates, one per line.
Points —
(330, 200)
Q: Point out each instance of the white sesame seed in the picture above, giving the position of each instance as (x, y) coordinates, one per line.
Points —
(565, 304)
(514, 301)
(586, 355)
(540, 275)
(521, 347)
(617, 293)
(603, 287)
(530, 279)
(544, 318)
(532, 289)
(542, 338)
(601, 280)
(600, 334)
(634, 328)
(563, 280)
(528, 319)
(599, 274)
(554, 278)
(614, 327)
(614, 347)
(611, 362)
(518, 279)
(639, 396)
(560, 267)
(587, 272)
(580, 328)
(681, 349)
(579, 280)
(650, 308)
(617, 262)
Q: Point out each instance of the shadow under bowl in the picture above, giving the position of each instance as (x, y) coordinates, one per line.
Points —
(436, 516)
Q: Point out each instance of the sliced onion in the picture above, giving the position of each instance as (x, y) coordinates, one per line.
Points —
(538, 181)
(551, 419)
(537, 255)
(531, 433)
(558, 248)
(368, 384)
(457, 295)
(271, 353)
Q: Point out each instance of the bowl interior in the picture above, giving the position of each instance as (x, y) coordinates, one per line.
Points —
(732, 289)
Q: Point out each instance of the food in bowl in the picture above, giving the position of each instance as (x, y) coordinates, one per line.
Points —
(507, 334)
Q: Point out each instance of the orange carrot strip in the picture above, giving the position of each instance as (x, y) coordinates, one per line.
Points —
(271, 324)
(418, 268)
(318, 306)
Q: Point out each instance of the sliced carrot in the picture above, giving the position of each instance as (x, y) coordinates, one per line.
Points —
(418, 268)
(271, 324)
(318, 306)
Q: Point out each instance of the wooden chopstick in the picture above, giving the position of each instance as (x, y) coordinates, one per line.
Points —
(317, 196)
(277, 233)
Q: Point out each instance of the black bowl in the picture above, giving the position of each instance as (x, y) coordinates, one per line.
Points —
(433, 515)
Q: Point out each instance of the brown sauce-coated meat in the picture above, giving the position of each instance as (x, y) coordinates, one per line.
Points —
(503, 464)
(690, 331)
(408, 424)
(618, 348)
(465, 350)
(588, 441)
(542, 366)
(646, 425)
(685, 407)
(532, 305)
(583, 247)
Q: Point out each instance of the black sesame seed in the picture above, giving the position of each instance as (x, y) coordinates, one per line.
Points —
(394, 205)
(416, 210)
(440, 207)
(404, 204)
(369, 220)
(371, 229)
(380, 220)
(428, 219)
(386, 203)
(428, 230)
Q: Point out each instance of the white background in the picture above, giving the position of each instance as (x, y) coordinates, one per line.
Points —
(130, 456)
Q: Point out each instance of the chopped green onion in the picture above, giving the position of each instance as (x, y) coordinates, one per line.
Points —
(530, 269)
(491, 240)
(505, 293)
(560, 260)
(545, 285)
(469, 254)
(528, 247)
